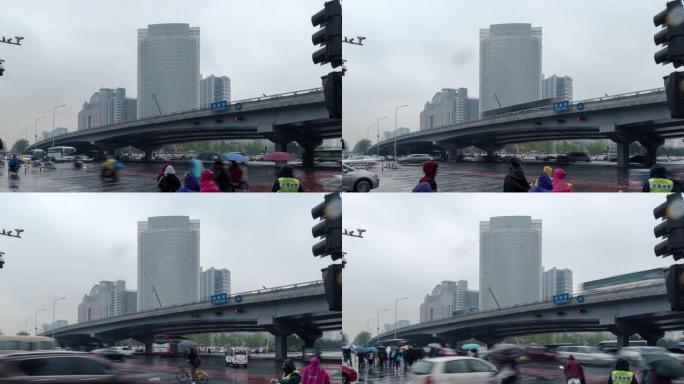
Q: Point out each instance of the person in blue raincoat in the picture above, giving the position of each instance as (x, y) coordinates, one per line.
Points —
(190, 183)
(544, 183)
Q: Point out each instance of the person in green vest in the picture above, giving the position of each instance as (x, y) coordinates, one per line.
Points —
(290, 374)
(622, 374)
(658, 181)
(286, 182)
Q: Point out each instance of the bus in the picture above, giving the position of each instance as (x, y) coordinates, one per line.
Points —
(61, 153)
(26, 343)
(167, 345)
(327, 155)
(36, 154)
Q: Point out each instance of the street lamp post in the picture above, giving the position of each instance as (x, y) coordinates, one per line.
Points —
(36, 318)
(26, 324)
(54, 109)
(368, 324)
(54, 302)
(378, 318)
(26, 131)
(396, 110)
(395, 314)
(36, 120)
(377, 132)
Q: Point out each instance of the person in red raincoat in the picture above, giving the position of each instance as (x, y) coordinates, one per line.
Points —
(313, 373)
(573, 371)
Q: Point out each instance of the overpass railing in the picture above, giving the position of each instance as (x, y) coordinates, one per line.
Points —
(591, 293)
(204, 300)
(249, 100)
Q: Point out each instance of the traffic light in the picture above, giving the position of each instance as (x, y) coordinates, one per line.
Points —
(332, 282)
(332, 89)
(329, 37)
(674, 90)
(329, 228)
(674, 281)
(671, 228)
(672, 34)
(2, 259)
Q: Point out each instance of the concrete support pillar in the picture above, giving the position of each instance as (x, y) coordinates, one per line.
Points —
(622, 154)
(148, 156)
(622, 340)
(281, 146)
(651, 145)
(280, 347)
(308, 159)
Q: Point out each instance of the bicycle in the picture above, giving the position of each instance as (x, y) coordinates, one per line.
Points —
(184, 376)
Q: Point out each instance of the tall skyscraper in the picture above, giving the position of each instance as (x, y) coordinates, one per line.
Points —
(168, 69)
(214, 281)
(446, 298)
(168, 261)
(107, 107)
(557, 87)
(555, 281)
(510, 65)
(449, 106)
(214, 88)
(106, 299)
(510, 261)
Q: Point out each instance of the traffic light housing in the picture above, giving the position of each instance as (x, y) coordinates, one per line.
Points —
(674, 90)
(332, 282)
(672, 34)
(674, 281)
(329, 37)
(329, 229)
(671, 228)
(332, 90)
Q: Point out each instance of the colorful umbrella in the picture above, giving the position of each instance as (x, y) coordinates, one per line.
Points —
(278, 156)
(664, 365)
(234, 156)
(470, 346)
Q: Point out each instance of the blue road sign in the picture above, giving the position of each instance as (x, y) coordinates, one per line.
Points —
(238, 299)
(579, 106)
(219, 106)
(238, 106)
(579, 299)
(561, 106)
(561, 298)
(221, 298)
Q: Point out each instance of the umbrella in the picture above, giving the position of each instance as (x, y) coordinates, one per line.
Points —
(447, 352)
(234, 156)
(470, 346)
(664, 365)
(278, 156)
(187, 344)
(435, 345)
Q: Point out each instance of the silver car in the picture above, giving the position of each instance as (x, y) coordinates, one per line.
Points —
(585, 355)
(358, 180)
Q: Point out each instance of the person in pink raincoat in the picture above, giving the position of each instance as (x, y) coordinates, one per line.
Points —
(313, 373)
(558, 181)
(207, 181)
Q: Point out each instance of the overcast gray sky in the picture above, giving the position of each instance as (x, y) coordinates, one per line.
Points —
(414, 242)
(72, 49)
(73, 241)
(415, 48)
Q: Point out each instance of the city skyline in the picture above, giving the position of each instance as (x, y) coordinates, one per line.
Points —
(445, 243)
(84, 57)
(70, 252)
(418, 60)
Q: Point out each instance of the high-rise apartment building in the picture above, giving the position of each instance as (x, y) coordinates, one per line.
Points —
(214, 281)
(168, 69)
(510, 65)
(168, 261)
(214, 88)
(555, 281)
(449, 106)
(107, 107)
(446, 298)
(106, 299)
(557, 87)
(510, 261)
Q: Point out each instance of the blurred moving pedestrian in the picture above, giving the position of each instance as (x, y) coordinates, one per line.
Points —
(622, 374)
(658, 181)
(221, 177)
(558, 181)
(161, 172)
(196, 167)
(206, 182)
(235, 175)
(286, 182)
(574, 373)
(169, 182)
(515, 180)
(190, 183)
(428, 183)
(244, 183)
(543, 183)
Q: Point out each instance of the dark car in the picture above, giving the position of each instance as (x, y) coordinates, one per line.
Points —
(109, 354)
(578, 156)
(62, 368)
(540, 354)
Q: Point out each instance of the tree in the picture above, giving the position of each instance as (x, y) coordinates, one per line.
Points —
(362, 146)
(20, 146)
(22, 333)
(362, 338)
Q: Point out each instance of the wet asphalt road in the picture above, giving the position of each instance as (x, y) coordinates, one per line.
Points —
(141, 177)
(488, 177)
(259, 370)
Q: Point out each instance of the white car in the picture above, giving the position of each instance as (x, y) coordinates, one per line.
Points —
(451, 370)
(585, 355)
(416, 158)
(237, 357)
(358, 180)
